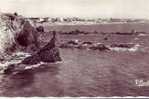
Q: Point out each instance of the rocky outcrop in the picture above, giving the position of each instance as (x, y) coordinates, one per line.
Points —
(85, 45)
(100, 47)
(27, 37)
(17, 34)
(123, 45)
(49, 53)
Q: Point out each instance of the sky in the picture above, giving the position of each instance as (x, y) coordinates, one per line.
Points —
(78, 8)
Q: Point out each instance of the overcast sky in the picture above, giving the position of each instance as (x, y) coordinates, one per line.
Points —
(78, 8)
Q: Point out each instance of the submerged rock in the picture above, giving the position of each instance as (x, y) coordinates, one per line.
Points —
(127, 45)
(100, 47)
(73, 42)
(70, 44)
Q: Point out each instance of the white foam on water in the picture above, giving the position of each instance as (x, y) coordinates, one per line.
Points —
(34, 66)
(39, 64)
(22, 53)
(14, 59)
(133, 49)
(142, 34)
(118, 49)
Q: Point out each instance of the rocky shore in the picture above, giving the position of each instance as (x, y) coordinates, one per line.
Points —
(19, 34)
(99, 46)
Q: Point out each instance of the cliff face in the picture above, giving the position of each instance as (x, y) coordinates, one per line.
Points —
(6, 35)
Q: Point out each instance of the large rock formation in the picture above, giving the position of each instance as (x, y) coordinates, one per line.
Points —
(16, 33)
(48, 53)
(27, 37)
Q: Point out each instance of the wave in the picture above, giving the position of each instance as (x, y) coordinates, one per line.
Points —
(133, 49)
(15, 58)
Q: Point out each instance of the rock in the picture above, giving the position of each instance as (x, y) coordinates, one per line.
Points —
(70, 44)
(27, 36)
(125, 45)
(106, 38)
(16, 68)
(100, 47)
(40, 29)
(34, 59)
(49, 53)
(73, 42)
(88, 43)
(85, 45)
(9, 69)
(17, 33)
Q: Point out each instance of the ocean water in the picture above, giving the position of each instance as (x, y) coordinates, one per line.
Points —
(82, 73)
(85, 72)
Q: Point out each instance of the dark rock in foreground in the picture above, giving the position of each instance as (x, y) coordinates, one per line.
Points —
(49, 53)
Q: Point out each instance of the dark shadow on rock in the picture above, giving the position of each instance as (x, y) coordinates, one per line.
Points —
(27, 36)
(40, 29)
